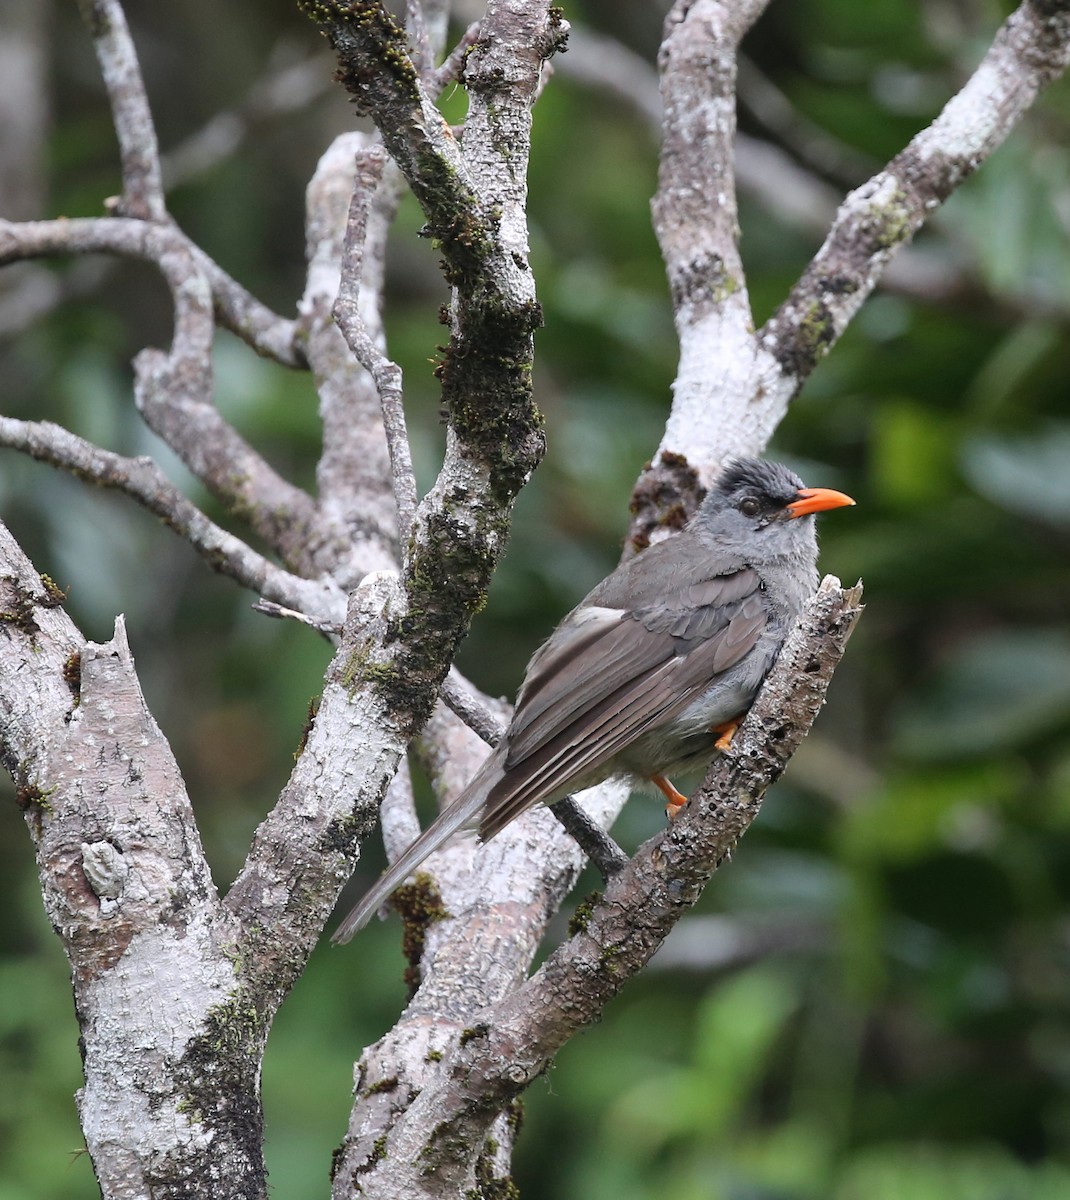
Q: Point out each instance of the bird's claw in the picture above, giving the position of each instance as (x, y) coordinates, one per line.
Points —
(727, 732)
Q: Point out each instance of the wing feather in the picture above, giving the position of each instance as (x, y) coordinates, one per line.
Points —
(643, 670)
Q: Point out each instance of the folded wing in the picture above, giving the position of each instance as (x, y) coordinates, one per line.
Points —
(614, 676)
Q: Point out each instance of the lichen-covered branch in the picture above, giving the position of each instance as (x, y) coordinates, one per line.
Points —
(694, 210)
(173, 390)
(1030, 50)
(129, 892)
(696, 223)
(139, 151)
(356, 505)
(474, 205)
(304, 849)
(143, 480)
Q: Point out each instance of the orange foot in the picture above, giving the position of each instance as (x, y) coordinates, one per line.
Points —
(727, 730)
(676, 799)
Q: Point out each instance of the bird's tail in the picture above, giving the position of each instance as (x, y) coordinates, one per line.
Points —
(463, 811)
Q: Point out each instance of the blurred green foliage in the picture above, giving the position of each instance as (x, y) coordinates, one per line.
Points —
(909, 1036)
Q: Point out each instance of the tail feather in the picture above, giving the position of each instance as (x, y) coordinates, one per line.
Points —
(463, 811)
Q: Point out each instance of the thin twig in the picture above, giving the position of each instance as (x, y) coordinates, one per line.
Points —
(173, 391)
(474, 709)
(141, 479)
(268, 608)
(387, 374)
(248, 318)
(236, 309)
(592, 839)
(450, 68)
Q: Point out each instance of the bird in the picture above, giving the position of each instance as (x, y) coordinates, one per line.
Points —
(651, 673)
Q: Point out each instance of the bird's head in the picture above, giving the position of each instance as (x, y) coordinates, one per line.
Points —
(762, 510)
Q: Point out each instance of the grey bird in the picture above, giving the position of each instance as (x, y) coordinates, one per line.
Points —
(651, 673)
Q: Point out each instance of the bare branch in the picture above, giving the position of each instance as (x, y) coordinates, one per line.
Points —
(370, 164)
(420, 40)
(356, 501)
(694, 210)
(237, 310)
(484, 241)
(138, 149)
(1030, 50)
(474, 709)
(364, 437)
(733, 388)
(326, 626)
(143, 480)
(174, 391)
(246, 317)
(696, 221)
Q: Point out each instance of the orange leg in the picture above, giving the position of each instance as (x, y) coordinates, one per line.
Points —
(676, 799)
(727, 730)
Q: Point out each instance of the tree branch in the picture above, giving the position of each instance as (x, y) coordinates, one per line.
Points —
(474, 204)
(142, 479)
(1031, 49)
(173, 391)
(370, 165)
(696, 222)
(130, 894)
(139, 151)
(356, 502)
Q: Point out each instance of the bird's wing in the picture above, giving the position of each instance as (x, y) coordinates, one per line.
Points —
(613, 676)
(600, 650)
(601, 681)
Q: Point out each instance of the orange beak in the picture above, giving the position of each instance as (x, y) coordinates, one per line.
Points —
(812, 500)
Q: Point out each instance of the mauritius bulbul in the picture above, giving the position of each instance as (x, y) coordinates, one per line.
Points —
(651, 673)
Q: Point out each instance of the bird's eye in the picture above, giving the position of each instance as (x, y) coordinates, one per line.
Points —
(749, 507)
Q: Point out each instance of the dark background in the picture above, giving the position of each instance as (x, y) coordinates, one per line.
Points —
(871, 1000)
